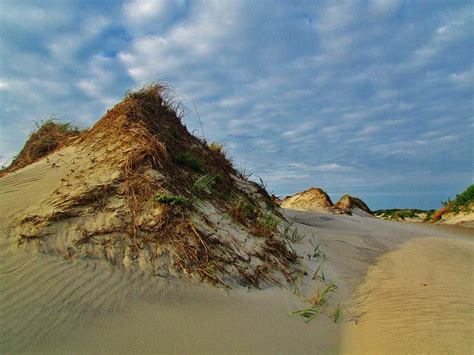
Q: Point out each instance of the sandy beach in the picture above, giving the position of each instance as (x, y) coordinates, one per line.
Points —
(404, 288)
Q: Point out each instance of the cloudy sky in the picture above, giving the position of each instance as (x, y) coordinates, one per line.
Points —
(374, 98)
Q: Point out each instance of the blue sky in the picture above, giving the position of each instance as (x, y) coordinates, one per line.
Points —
(371, 98)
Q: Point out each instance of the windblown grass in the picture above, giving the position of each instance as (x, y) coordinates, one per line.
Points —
(321, 297)
(308, 313)
(337, 313)
(291, 233)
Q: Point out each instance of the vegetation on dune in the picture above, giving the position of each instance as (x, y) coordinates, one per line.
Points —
(171, 199)
(190, 161)
(173, 189)
(49, 136)
(400, 214)
(463, 202)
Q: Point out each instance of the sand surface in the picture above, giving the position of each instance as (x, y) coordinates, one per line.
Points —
(50, 305)
(419, 298)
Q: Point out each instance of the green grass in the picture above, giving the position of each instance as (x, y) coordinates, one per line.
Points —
(337, 313)
(243, 210)
(319, 273)
(299, 281)
(308, 313)
(190, 161)
(204, 184)
(291, 234)
(319, 301)
(268, 221)
(317, 253)
(172, 200)
(320, 298)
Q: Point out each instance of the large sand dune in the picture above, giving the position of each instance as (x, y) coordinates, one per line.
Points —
(408, 287)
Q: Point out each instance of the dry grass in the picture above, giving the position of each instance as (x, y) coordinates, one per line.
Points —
(48, 137)
(440, 213)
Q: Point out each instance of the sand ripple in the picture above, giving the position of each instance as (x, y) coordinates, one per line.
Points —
(419, 299)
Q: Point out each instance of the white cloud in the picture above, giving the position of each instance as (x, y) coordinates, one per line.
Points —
(384, 7)
(65, 47)
(198, 40)
(298, 131)
(336, 16)
(329, 167)
(145, 16)
(464, 78)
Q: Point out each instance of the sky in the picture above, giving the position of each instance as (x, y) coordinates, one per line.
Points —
(371, 98)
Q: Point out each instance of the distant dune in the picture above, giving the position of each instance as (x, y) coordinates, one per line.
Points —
(317, 200)
(353, 205)
(313, 199)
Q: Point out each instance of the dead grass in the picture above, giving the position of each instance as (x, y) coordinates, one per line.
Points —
(49, 136)
(440, 213)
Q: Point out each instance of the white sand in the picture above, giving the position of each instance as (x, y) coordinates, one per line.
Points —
(51, 305)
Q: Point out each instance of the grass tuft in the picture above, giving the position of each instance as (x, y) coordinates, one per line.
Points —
(190, 161)
(308, 313)
(242, 211)
(291, 234)
(172, 200)
(337, 313)
(320, 298)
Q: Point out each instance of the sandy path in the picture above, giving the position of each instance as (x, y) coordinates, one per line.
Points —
(50, 305)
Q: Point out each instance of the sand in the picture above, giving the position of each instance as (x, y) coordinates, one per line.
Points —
(51, 305)
(419, 298)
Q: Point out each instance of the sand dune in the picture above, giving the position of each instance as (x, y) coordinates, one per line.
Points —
(50, 303)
